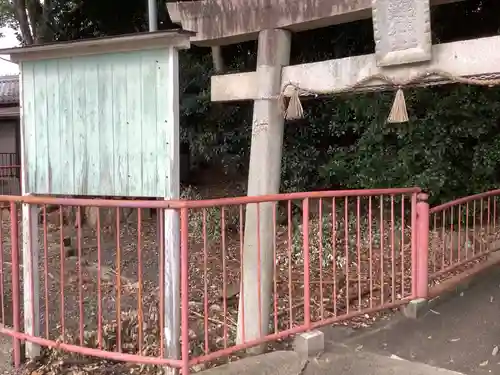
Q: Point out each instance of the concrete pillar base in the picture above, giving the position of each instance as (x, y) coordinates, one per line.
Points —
(309, 344)
(416, 308)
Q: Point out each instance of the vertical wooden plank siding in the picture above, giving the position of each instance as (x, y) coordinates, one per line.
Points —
(161, 74)
(91, 123)
(65, 136)
(53, 125)
(106, 133)
(42, 146)
(95, 125)
(29, 127)
(149, 68)
(80, 131)
(119, 77)
(133, 114)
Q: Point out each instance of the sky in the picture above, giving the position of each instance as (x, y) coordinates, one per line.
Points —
(9, 40)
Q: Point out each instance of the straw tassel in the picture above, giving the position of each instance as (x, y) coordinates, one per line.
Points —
(294, 110)
(398, 112)
(282, 103)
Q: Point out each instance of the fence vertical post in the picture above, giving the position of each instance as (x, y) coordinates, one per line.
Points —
(305, 243)
(31, 279)
(184, 218)
(16, 280)
(422, 260)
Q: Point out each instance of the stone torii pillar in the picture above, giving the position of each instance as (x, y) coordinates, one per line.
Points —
(402, 34)
(263, 178)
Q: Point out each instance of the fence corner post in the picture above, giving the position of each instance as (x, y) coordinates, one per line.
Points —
(307, 281)
(422, 285)
(184, 226)
(16, 281)
(31, 277)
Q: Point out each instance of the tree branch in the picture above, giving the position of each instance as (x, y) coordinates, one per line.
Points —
(34, 14)
(22, 18)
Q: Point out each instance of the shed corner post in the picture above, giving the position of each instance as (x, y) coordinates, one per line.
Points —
(31, 279)
(30, 244)
(172, 261)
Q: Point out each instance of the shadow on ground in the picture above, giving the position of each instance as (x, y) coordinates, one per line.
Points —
(460, 334)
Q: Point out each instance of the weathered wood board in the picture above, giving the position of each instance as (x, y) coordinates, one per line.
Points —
(97, 125)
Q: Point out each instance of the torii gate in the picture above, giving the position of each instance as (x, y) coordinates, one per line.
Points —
(403, 51)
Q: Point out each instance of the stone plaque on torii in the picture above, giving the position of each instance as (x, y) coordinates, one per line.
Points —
(403, 54)
(402, 31)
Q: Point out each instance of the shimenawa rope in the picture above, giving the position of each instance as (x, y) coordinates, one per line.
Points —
(398, 112)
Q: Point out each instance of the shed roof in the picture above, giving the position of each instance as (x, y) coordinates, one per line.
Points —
(132, 42)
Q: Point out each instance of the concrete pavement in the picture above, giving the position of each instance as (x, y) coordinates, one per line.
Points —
(339, 362)
(460, 334)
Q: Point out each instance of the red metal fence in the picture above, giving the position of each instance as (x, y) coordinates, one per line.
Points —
(333, 256)
(462, 234)
(360, 246)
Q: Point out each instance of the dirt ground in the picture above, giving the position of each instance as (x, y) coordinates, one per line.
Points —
(347, 274)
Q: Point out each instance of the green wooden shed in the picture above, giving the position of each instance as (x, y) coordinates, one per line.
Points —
(99, 117)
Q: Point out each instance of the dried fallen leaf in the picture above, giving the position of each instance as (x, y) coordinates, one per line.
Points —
(393, 356)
